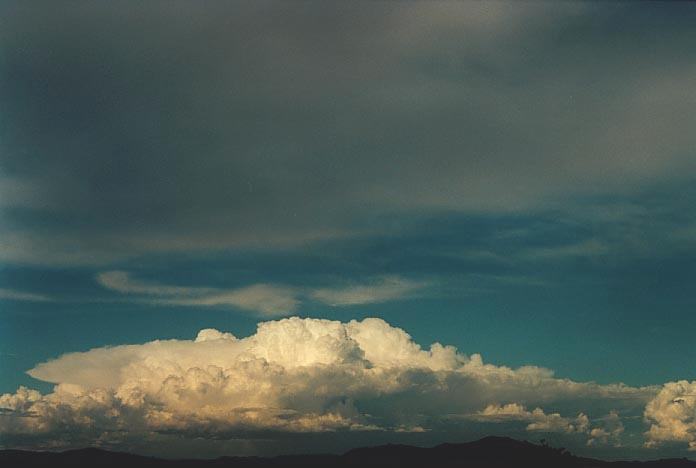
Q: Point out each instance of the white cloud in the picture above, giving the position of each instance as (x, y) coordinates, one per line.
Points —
(600, 431)
(265, 299)
(587, 248)
(292, 375)
(122, 282)
(32, 248)
(383, 289)
(15, 295)
(673, 415)
(538, 420)
(609, 432)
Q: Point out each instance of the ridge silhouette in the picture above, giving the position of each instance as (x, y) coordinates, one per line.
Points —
(489, 452)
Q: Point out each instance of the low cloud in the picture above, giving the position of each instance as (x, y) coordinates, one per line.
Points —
(538, 420)
(292, 376)
(600, 431)
(609, 431)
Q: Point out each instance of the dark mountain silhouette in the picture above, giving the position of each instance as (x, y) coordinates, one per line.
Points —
(490, 452)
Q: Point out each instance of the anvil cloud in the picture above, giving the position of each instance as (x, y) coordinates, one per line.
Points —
(298, 375)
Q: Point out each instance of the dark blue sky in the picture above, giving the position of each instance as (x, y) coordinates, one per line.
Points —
(513, 179)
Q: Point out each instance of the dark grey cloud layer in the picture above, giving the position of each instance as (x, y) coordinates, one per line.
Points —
(136, 127)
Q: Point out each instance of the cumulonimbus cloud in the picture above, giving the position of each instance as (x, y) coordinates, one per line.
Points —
(672, 414)
(294, 376)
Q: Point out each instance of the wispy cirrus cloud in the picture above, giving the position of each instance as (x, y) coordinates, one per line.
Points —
(122, 282)
(383, 289)
(264, 299)
(587, 248)
(14, 295)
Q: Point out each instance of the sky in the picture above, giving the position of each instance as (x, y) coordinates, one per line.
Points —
(276, 227)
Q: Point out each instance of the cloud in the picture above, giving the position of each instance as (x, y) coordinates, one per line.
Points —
(14, 295)
(587, 249)
(291, 376)
(266, 299)
(599, 431)
(122, 282)
(537, 419)
(30, 247)
(381, 290)
(610, 431)
(672, 414)
(369, 109)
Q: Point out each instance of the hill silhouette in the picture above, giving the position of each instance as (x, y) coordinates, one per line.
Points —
(490, 452)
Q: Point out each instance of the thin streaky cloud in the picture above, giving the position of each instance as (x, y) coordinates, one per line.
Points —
(14, 295)
(266, 299)
(587, 248)
(382, 290)
(122, 282)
